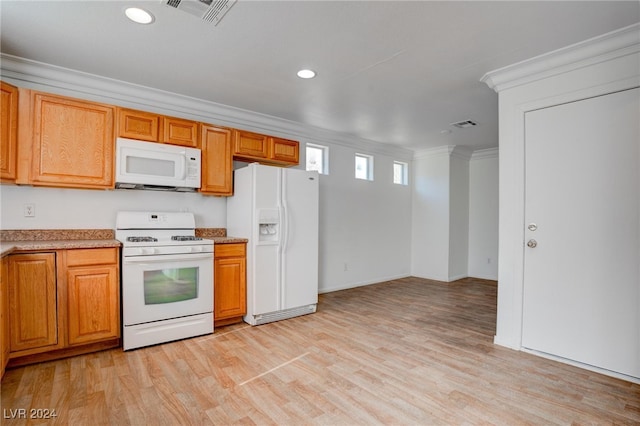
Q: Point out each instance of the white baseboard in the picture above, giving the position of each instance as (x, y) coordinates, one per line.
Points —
(359, 284)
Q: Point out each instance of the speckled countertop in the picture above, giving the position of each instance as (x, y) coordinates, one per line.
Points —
(63, 239)
(218, 235)
(55, 239)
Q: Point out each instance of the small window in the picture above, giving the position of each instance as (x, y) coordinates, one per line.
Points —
(400, 173)
(364, 167)
(317, 158)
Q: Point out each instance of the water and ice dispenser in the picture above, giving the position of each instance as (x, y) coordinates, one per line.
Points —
(268, 225)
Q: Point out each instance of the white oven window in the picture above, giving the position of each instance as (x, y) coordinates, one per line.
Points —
(163, 286)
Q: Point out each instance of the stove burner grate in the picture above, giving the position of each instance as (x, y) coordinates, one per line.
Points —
(185, 238)
(142, 239)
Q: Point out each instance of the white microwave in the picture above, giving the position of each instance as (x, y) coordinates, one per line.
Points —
(156, 166)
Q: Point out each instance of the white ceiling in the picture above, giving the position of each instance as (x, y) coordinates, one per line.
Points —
(392, 72)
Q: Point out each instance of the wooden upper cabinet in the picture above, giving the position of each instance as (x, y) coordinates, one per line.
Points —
(139, 125)
(250, 146)
(8, 132)
(284, 150)
(177, 131)
(71, 140)
(147, 126)
(217, 162)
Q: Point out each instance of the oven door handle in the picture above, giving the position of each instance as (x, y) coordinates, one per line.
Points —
(167, 257)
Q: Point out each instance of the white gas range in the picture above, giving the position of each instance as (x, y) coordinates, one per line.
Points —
(167, 278)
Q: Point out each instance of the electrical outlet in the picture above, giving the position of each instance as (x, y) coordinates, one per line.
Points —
(29, 210)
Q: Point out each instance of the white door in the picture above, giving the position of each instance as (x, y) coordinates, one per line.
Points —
(300, 191)
(582, 280)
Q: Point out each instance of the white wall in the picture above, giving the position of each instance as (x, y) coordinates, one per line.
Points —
(365, 225)
(442, 214)
(430, 215)
(58, 208)
(459, 217)
(483, 214)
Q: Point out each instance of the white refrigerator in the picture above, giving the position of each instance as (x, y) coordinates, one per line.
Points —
(277, 210)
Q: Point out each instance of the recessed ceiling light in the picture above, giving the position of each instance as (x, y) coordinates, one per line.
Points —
(138, 15)
(306, 73)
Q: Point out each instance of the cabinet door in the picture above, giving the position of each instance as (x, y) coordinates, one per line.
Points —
(217, 161)
(250, 145)
(284, 151)
(93, 309)
(5, 346)
(177, 131)
(8, 132)
(230, 288)
(73, 143)
(32, 301)
(230, 282)
(139, 125)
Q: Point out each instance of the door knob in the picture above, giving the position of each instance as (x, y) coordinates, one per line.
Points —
(532, 243)
(532, 227)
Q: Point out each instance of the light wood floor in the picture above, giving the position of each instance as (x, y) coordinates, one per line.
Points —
(406, 352)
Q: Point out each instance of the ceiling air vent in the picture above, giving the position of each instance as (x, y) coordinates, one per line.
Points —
(464, 124)
(207, 10)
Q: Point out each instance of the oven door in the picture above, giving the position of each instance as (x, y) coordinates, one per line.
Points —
(161, 287)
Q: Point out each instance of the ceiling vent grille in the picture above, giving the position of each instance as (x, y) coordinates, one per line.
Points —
(207, 10)
(464, 124)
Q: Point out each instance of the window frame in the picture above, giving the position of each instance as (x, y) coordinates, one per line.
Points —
(325, 157)
(404, 179)
(369, 171)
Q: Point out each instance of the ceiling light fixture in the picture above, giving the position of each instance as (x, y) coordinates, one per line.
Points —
(306, 73)
(138, 15)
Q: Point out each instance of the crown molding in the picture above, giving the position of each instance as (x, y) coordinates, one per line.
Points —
(433, 152)
(64, 81)
(483, 154)
(458, 151)
(622, 42)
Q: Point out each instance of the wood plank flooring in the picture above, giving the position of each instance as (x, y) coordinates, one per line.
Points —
(404, 352)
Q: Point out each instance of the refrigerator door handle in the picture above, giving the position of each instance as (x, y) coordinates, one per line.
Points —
(284, 229)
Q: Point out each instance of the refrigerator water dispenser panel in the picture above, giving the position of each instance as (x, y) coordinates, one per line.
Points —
(268, 225)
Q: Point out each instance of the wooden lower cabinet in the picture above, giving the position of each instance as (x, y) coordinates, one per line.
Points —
(5, 345)
(93, 308)
(62, 303)
(230, 283)
(33, 316)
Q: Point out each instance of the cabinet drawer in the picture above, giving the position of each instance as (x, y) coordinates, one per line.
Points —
(229, 250)
(97, 256)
